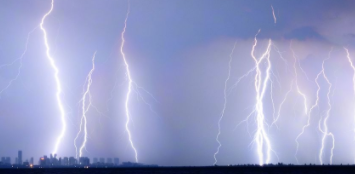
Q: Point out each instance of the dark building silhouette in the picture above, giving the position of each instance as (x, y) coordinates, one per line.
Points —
(19, 157)
(131, 164)
(26, 164)
(109, 161)
(116, 161)
(5, 160)
(42, 161)
(102, 160)
(84, 161)
(95, 161)
(65, 161)
(8, 160)
(72, 161)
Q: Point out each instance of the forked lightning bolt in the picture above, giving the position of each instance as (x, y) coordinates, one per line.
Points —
(130, 82)
(325, 130)
(18, 59)
(260, 84)
(84, 110)
(309, 114)
(57, 80)
(224, 105)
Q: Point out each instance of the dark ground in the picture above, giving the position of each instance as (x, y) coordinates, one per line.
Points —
(194, 170)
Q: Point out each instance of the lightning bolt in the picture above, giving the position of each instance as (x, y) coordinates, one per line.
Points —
(224, 105)
(85, 109)
(18, 59)
(309, 114)
(296, 80)
(281, 104)
(130, 82)
(261, 136)
(352, 66)
(325, 126)
(273, 14)
(59, 88)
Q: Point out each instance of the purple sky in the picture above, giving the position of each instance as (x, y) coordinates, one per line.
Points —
(179, 52)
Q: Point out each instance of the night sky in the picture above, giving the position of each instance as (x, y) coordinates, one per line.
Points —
(178, 54)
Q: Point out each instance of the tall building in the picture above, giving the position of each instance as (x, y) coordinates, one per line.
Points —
(95, 160)
(102, 160)
(85, 161)
(31, 160)
(65, 161)
(19, 157)
(8, 160)
(72, 161)
(109, 161)
(42, 161)
(116, 161)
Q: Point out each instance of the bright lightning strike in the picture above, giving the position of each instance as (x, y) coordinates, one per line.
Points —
(325, 125)
(273, 14)
(130, 82)
(84, 110)
(309, 114)
(352, 66)
(18, 59)
(59, 88)
(224, 105)
(261, 136)
(296, 81)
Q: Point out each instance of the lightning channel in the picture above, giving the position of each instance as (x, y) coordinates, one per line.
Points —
(281, 104)
(18, 59)
(84, 110)
(57, 80)
(352, 67)
(273, 14)
(224, 105)
(296, 80)
(325, 132)
(309, 115)
(260, 85)
(130, 82)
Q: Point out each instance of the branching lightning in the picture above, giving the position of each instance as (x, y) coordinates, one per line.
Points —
(325, 125)
(261, 136)
(296, 81)
(18, 59)
(224, 105)
(59, 88)
(281, 104)
(309, 115)
(130, 82)
(84, 110)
